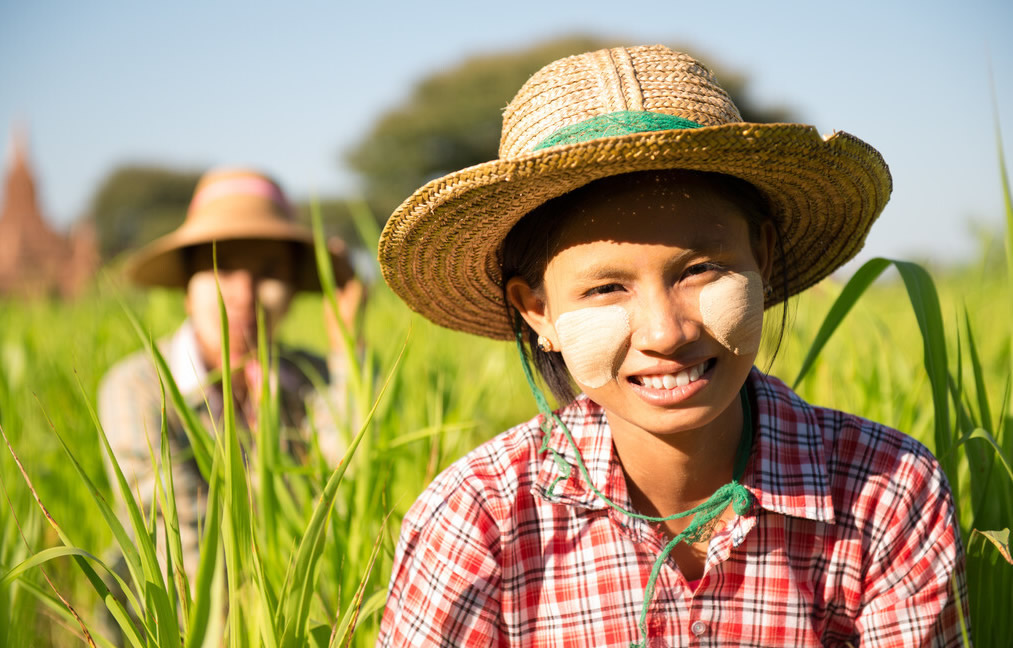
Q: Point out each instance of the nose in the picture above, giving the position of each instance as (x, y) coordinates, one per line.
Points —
(663, 323)
(238, 289)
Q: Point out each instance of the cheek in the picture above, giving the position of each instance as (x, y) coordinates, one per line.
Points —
(274, 296)
(593, 342)
(202, 305)
(732, 310)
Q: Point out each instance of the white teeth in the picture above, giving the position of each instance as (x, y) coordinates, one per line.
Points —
(671, 381)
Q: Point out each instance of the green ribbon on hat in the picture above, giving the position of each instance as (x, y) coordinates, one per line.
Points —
(622, 122)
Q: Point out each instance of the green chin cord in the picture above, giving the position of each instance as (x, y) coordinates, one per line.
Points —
(732, 493)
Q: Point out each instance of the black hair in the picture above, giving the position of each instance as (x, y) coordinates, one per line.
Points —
(534, 240)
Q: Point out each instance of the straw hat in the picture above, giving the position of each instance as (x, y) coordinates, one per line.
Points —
(616, 111)
(231, 205)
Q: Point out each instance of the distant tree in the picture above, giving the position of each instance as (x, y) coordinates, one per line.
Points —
(135, 204)
(452, 119)
(335, 216)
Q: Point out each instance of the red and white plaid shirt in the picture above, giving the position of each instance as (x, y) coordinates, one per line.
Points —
(851, 540)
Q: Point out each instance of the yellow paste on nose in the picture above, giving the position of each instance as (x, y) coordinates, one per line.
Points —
(732, 310)
(593, 342)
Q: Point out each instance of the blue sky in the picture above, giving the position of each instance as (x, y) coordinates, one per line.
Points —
(288, 87)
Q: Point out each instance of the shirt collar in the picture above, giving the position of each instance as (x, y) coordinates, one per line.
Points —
(560, 479)
(786, 471)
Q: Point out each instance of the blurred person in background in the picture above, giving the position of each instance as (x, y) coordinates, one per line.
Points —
(263, 258)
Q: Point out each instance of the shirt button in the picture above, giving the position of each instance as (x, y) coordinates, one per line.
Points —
(698, 628)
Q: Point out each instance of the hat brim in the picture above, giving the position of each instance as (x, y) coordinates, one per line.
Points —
(440, 250)
(161, 262)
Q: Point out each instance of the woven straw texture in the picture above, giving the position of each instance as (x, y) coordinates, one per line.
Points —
(440, 249)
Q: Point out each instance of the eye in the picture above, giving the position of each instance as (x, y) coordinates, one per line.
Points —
(604, 289)
(702, 268)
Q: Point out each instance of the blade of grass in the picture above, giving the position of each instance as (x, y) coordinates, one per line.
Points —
(45, 556)
(56, 607)
(365, 225)
(1006, 195)
(965, 639)
(325, 271)
(296, 597)
(166, 625)
(236, 528)
(981, 433)
(115, 607)
(267, 438)
(201, 442)
(854, 289)
(925, 302)
(984, 411)
(999, 540)
(170, 516)
(343, 631)
(147, 561)
(209, 567)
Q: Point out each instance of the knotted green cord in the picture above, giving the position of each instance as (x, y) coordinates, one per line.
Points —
(732, 493)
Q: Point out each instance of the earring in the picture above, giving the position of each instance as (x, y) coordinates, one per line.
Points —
(768, 290)
(544, 344)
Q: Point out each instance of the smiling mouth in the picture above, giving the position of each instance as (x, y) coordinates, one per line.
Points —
(672, 381)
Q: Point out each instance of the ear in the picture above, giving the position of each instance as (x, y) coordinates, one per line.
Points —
(763, 250)
(533, 308)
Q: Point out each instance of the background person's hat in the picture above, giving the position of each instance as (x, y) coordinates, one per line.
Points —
(234, 205)
(616, 111)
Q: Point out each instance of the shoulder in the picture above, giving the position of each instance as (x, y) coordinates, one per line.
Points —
(129, 401)
(133, 373)
(487, 482)
(851, 442)
(307, 369)
(872, 470)
(305, 359)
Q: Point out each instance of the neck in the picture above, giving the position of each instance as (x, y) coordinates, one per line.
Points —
(671, 473)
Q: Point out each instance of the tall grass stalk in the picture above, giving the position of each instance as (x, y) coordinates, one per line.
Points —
(299, 553)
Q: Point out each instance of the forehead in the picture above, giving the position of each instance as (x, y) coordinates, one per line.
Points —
(685, 212)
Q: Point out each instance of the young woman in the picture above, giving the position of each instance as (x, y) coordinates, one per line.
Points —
(632, 234)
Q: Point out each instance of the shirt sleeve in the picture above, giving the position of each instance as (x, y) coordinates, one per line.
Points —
(131, 419)
(918, 562)
(326, 403)
(446, 579)
(130, 410)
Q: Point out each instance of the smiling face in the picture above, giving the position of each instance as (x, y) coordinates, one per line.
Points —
(655, 298)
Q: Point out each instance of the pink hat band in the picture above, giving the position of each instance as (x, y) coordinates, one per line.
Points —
(240, 186)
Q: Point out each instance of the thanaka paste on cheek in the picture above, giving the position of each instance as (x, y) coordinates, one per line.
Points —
(593, 341)
(732, 310)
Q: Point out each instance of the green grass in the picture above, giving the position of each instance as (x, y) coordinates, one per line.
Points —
(304, 556)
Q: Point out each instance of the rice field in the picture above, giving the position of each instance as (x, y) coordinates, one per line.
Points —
(303, 558)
